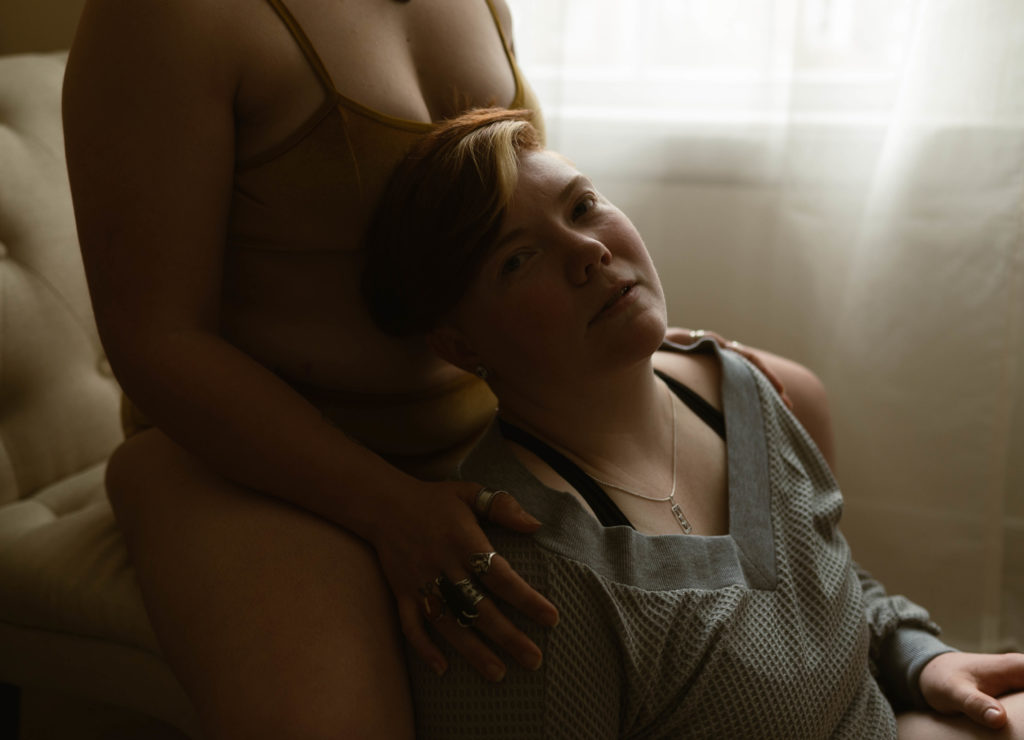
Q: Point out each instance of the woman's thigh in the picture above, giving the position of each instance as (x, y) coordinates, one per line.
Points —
(932, 726)
(278, 623)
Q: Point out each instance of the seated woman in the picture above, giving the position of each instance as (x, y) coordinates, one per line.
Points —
(690, 532)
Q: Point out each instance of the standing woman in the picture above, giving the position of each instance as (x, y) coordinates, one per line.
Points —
(224, 158)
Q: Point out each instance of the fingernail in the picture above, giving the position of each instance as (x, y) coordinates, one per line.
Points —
(495, 672)
(532, 660)
(529, 519)
(438, 666)
(991, 715)
(550, 619)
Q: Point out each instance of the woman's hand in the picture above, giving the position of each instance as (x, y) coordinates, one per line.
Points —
(433, 532)
(689, 336)
(969, 683)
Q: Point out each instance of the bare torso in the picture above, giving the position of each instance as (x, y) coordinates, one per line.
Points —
(301, 314)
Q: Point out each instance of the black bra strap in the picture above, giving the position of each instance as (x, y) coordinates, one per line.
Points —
(707, 413)
(604, 508)
(606, 511)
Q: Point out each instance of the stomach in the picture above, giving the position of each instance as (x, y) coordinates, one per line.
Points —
(301, 315)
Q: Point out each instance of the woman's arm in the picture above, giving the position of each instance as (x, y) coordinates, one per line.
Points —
(149, 110)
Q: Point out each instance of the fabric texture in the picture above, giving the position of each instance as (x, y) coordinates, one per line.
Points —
(770, 631)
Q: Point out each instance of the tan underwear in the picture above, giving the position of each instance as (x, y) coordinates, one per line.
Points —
(426, 433)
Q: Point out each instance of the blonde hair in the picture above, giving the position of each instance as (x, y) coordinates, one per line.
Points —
(440, 215)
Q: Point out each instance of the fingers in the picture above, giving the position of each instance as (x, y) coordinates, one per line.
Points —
(984, 710)
(411, 617)
(462, 615)
(451, 610)
(688, 336)
(501, 508)
(969, 683)
(994, 676)
(756, 360)
(438, 600)
(506, 512)
(502, 581)
(680, 336)
(500, 633)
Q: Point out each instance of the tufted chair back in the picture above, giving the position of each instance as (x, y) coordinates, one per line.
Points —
(58, 398)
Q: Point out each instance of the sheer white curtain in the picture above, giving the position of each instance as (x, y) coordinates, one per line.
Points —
(840, 181)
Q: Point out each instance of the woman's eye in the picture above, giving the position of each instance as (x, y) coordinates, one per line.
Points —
(512, 264)
(583, 206)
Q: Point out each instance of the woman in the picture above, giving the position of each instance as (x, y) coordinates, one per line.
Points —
(690, 535)
(224, 158)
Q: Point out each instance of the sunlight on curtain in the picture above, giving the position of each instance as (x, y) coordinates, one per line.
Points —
(841, 181)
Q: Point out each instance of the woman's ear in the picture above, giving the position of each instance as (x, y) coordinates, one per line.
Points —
(452, 346)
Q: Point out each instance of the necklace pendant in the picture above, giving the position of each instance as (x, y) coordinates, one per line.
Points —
(684, 523)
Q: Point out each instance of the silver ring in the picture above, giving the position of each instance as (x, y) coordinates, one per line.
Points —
(697, 333)
(485, 500)
(480, 562)
(734, 345)
(470, 591)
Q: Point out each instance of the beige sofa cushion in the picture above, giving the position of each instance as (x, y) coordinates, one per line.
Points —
(71, 615)
(58, 399)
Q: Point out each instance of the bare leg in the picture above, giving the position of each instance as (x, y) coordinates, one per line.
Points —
(932, 726)
(278, 624)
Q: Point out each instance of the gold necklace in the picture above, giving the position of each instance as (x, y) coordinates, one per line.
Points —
(677, 511)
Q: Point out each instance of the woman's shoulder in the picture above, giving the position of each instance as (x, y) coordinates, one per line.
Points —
(703, 373)
(700, 371)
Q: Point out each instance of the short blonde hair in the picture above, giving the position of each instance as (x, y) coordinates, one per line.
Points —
(440, 215)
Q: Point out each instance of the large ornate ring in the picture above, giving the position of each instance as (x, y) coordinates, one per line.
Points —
(461, 597)
(470, 591)
(480, 562)
(485, 500)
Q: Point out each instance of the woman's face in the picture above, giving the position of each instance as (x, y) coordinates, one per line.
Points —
(570, 284)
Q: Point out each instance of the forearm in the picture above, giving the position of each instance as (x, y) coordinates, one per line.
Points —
(903, 640)
(250, 426)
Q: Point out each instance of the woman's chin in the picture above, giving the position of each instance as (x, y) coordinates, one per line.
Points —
(641, 339)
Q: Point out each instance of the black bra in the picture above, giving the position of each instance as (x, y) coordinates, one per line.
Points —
(603, 507)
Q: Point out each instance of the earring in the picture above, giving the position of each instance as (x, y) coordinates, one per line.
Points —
(481, 372)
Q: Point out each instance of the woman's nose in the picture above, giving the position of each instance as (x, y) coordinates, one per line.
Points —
(585, 255)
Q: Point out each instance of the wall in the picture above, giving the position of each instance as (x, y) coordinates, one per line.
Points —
(37, 25)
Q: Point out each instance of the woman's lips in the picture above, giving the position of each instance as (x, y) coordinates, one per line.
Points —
(621, 296)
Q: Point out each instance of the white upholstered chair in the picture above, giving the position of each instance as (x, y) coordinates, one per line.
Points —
(74, 637)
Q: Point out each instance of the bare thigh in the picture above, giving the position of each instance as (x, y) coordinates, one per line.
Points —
(277, 623)
(931, 726)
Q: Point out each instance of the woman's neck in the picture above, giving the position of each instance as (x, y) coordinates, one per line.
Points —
(614, 425)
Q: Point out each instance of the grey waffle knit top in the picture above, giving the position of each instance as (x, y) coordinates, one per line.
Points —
(771, 631)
